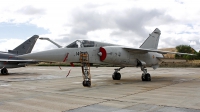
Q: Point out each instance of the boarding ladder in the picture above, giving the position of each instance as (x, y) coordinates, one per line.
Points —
(85, 65)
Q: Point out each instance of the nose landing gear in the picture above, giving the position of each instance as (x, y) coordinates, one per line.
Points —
(84, 59)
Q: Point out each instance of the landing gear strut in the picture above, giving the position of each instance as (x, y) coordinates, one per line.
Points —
(4, 71)
(145, 76)
(86, 76)
(116, 75)
(84, 59)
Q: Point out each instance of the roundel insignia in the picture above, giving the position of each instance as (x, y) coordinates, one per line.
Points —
(103, 51)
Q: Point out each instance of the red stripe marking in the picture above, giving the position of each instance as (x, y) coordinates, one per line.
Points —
(60, 68)
(72, 64)
(68, 72)
(66, 57)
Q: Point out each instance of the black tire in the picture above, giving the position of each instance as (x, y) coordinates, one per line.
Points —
(116, 76)
(113, 76)
(86, 83)
(143, 77)
(4, 71)
(148, 77)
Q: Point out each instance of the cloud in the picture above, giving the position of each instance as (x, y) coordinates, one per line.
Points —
(129, 24)
(136, 20)
(122, 22)
(13, 43)
(30, 10)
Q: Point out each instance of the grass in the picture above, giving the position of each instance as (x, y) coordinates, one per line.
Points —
(191, 63)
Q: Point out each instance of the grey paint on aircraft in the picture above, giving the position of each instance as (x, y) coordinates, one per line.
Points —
(115, 54)
(152, 41)
(25, 47)
(101, 53)
(10, 60)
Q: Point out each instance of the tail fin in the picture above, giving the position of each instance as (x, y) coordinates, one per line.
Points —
(152, 41)
(25, 47)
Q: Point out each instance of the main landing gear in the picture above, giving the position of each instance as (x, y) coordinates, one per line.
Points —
(145, 76)
(4, 71)
(116, 75)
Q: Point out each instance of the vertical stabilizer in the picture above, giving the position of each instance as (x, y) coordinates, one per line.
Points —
(152, 41)
(25, 47)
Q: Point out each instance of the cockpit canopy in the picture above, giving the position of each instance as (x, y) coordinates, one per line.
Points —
(81, 43)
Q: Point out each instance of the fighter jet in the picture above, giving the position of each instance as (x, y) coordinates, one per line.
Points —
(86, 52)
(9, 59)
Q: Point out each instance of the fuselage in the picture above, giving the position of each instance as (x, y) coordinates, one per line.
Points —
(99, 53)
(115, 56)
(10, 64)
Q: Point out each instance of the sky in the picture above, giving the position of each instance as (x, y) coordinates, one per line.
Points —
(123, 22)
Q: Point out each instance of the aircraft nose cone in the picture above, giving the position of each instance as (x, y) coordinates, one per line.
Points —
(100, 53)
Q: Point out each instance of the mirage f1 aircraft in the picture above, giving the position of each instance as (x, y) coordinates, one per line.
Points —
(9, 59)
(87, 52)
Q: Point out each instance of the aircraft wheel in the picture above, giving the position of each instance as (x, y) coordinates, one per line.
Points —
(86, 83)
(116, 76)
(113, 76)
(143, 77)
(148, 77)
(4, 71)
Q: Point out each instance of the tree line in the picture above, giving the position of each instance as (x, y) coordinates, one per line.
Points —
(187, 49)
